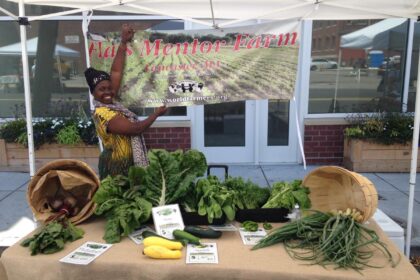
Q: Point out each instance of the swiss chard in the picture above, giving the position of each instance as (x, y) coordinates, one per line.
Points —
(121, 202)
(170, 174)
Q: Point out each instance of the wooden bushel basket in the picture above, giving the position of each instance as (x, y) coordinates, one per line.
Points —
(59, 177)
(336, 188)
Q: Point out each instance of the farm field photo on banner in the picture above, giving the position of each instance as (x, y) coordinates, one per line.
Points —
(193, 67)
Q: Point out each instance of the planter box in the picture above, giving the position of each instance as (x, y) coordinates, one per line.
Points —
(366, 156)
(15, 156)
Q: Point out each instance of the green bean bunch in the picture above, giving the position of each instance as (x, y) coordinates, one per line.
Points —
(336, 239)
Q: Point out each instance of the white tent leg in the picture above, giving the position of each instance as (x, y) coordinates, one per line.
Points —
(27, 89)
(407, 65)
(337, 75)
(85, 29)
(413, 169)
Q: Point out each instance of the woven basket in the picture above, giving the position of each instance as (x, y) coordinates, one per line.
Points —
(60, 177)
(336, 188)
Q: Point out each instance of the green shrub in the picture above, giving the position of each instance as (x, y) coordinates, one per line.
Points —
(68, 135)
(11, 130)
(62, 130)
(385, 128)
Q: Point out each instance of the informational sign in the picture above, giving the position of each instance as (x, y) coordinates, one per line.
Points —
(137, 236)
(86, 253)
(203, 253)
(167, 219)
(252, 237)
(187, 67)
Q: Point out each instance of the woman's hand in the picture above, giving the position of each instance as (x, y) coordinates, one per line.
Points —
(127, 33)
(161, 110)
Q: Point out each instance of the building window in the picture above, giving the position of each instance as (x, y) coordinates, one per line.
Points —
(368, 81)
(58, 85)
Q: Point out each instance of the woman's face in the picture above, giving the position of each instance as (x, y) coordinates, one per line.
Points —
(103, 92)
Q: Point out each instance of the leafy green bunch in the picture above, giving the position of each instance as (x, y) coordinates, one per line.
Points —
(215, 199)
(120, 201)
(250, 195)
(52, 237)
(287, 195)
(169, 176)
(385, 128)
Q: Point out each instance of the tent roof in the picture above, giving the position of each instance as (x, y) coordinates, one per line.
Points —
(363, 38)
(32, 45)
(250, 9)
(395, 38)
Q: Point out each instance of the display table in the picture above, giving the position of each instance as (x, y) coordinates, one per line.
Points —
(124, 260)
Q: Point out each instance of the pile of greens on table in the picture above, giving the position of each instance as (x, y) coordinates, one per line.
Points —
(174, 177)
(126, 202)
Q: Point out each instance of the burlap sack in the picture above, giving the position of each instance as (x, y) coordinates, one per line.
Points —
(61, 177)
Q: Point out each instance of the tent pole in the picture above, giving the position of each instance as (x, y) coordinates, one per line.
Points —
(407, 65)
(337, 75)
(85, 29)
(8, 13)
(413, 169)
(27, 88)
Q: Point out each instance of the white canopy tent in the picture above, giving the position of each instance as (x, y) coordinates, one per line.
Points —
(363, 38)
(32, 45)
(395, 38)
(233, 11)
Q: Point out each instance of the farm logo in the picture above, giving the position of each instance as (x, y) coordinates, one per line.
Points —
(186, 86)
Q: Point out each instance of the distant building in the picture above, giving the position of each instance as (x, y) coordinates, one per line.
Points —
(326, 36)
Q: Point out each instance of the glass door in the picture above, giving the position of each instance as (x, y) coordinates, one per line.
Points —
(277, 135)
(225, 132)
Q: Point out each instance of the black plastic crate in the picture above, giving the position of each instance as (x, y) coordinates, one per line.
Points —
(272, 215)
(193, 219)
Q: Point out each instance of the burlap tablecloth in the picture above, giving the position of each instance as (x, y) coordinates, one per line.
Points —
(125, 261)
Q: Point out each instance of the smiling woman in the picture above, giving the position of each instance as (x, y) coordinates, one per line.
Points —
(118, 127)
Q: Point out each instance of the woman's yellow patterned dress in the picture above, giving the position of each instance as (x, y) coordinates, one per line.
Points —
(117, 155)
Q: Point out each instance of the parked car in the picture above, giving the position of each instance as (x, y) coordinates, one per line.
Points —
(322, 63)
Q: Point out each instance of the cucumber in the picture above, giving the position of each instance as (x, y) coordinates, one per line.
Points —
(203, 232)
(184, 236)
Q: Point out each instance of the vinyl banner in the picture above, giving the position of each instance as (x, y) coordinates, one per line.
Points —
(189, 67)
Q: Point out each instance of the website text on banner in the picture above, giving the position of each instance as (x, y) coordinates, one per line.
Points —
(193, 67)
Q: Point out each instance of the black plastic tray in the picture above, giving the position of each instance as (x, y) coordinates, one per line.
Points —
(272, 215)
(193, 219)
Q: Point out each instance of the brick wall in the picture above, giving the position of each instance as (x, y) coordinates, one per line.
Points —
(324, 144)
(169, 138)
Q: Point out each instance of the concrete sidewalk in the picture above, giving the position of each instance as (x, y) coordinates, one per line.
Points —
(16, 218)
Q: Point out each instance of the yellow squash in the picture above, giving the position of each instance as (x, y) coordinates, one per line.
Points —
(155, 240)
(159, 252)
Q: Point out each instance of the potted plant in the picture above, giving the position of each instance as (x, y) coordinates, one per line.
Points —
(378, 142)
(54, 138)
